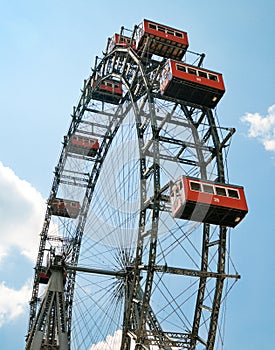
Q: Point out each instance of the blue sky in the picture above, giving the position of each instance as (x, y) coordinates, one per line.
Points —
(47, 50)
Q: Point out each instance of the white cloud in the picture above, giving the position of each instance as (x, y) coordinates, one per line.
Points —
(22, 211)
(262, 128)
(13, 302)
(112, 342)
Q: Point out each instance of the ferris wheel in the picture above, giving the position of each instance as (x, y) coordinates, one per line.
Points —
(134, 247)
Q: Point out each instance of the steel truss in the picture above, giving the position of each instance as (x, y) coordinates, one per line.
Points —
(168, 131)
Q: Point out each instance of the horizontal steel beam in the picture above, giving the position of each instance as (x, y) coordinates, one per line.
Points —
(97, 271)
(188, 272)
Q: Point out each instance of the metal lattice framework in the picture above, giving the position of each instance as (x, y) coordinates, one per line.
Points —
(135, 277)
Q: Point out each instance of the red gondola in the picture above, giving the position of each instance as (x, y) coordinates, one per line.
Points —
(208, 202)
(163, 41)
(121, 41)
(107, 90)
(43, 278)
(191, 84)
(65, 208)
(83, 145)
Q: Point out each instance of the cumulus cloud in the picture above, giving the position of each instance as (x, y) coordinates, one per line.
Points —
(22, 211)
(112, 342)
(262, 127)
(13, 302)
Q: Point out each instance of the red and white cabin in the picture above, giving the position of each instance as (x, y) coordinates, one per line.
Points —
(83, 145)
(207, 201)
(65, 208)
(121, 41)
(43, 278)
(163, 41)
(191, 84)
(107, 90)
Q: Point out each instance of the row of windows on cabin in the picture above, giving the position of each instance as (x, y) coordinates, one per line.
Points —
(198, 72)
(165, 30)
(84, 139)
(66, 203)
(218, 190)
(125, 39)
(106, 83)
(110, 84)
